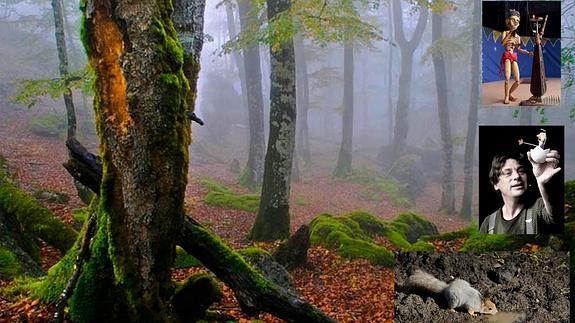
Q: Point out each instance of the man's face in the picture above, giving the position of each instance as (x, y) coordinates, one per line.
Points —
(512, 22)
(513, 179)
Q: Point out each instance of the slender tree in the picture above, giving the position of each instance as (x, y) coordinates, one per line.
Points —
(345, 151)
(407, 47)
(253, 173)
(237, 56)
(302, 89)
(472, 115)
(273, 219)
(59, 30)
(447, 184)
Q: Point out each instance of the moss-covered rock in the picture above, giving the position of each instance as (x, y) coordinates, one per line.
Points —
(194, 296)
(413, 226)
(345, 235)
(352, 235)
(378, 185)
(222, 196)
(50, 195)
(408, 170)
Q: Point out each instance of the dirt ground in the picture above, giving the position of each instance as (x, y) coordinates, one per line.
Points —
(526, 287)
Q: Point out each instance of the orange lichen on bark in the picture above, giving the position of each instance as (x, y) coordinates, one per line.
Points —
(109, 46)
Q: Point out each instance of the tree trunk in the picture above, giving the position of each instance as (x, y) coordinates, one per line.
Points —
(237, 56)
(345, 151)
(255, 167)
(472, 116)
(302, 89)
(390, 76)
(58, 10)
(447, 185)
(405, 76)
(272, 221)
(141, 104)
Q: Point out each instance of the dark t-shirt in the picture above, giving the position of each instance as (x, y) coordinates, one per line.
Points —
(517, 224)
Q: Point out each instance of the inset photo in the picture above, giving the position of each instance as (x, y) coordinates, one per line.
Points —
(521, 59)
(481, 287)
(521, 185)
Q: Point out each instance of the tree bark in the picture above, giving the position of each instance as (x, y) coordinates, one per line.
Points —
(390, 67)
(302, 89)
(141, 112)
(447, 184)
(58, 10)
(472, 116)
(272, 221)
(345, 151)
(237, 56)
(255, 166)
(405, 76)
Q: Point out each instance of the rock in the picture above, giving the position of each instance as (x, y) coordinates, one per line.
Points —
(268, 267)
(293, 253)
(52, 196)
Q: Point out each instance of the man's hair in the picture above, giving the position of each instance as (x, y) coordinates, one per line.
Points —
(498, 162)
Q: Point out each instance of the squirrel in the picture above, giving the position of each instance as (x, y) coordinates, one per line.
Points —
(458, 293)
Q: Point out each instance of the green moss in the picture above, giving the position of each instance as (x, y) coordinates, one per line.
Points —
(184, 260)
(34, 218)
(222, 196)
(80, 215)
(346, 236)
(413, 226)
(449, 236)
(478, 242)
(367, 222)
(9, 265)
(253, 253)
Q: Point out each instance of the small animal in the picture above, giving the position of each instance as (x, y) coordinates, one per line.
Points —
(458, 293)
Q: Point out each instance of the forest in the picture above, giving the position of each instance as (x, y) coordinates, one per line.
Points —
(251, 160)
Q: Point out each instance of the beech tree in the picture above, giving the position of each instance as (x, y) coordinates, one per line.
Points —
(273, 218)
(142, 103)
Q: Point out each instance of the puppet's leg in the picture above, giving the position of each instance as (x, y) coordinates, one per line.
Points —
(507, 77)
(515, 69)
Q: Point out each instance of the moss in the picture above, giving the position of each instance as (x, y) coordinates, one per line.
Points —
(9, 265)
(367, 222)
(222, 196)
(449, 236)
(96, 296)
(194, 297)
(34, 218)
(570, 194)
(347, 237)
(413, 226)
(80, 215)
(478, 242)
(246, 180)
(253, 253)
(184, 260)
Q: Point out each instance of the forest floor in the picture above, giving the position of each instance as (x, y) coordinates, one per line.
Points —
(348, 290)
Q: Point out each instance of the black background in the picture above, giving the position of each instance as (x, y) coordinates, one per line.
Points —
(499, 139)
(494, 13)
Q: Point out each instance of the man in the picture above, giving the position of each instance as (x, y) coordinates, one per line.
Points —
(521, 214)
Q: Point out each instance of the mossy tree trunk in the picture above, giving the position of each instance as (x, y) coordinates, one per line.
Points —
(345, 151)
(58, 10)
(272, 221)
(407, 48)
(447, 184)
(255, 166)
(140, 103)
(472, 115)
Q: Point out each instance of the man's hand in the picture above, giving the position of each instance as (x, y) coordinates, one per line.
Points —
(545, 171)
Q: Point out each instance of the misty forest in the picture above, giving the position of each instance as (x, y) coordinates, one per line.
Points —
(238, 160)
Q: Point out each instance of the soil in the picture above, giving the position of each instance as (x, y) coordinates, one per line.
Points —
(526, 287)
